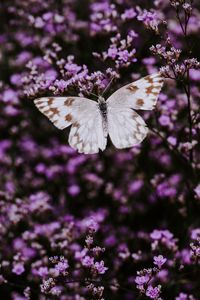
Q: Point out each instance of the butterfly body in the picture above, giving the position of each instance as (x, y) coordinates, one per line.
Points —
(102, 106)
(92, 121)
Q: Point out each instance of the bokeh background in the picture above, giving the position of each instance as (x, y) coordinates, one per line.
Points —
(122, 224)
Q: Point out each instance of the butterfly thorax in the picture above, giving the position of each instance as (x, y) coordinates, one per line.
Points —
(102, 105)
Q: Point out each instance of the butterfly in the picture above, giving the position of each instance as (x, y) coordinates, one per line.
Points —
(93, 121)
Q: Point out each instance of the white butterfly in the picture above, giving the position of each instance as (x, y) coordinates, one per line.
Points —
(92, 121)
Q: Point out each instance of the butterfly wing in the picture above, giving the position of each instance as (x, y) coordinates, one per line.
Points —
(141, 94)
(86, 134)
(63, 111)
(125, 127)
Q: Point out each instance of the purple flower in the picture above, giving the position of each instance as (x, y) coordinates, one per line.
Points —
(87, 261)
(135, 186)
(62, 266)
(153, 293)
(129, 14)
(99, 267)
(156, 234)
(92, 225)
(172, 140)
(18, 268)
(159, 260)
(141, 280)
(197, 191)
(10, 96)
(67, 218)
(195, 234)
(43, 271)
(81, 254)
(112, 52)
(74, 190)
(164, 120)
(182, 296)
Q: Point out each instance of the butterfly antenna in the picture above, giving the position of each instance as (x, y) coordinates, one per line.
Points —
(94, 94)
(108, 85)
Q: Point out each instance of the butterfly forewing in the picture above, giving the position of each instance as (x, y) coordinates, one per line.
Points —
(63, 111)
(86, 134)
(141, 94)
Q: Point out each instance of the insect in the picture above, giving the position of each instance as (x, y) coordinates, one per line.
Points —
(93, 121)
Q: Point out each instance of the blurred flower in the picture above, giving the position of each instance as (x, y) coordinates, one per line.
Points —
(159, 260)
(153, 293)
(18, 268)
(75, 226)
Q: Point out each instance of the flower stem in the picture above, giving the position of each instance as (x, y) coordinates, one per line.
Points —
(188, 94)
(186, 86)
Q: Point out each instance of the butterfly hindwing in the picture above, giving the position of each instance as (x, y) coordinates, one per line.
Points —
(87, 135)
(125, 127)
(141, 94)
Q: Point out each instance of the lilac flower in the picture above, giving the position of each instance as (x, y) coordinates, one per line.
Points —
(172, 140)
(197, 191)
(62, 266)
(141, 280)
(164, 120)
(18, 268)
(87, 261)
(99, 267)
(92, 225)
(74, 190)
(150, 19)
(42, 271)
(153, 293)
(183, 296)
(195, 234)
(129, 14)
(156, 234)
(159, 260)
(67, 220)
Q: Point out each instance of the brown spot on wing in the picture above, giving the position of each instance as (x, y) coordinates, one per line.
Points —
(132, 88)
(54, 110)
(139, 102)
(51, 110)
(69, 101)
(149, 90)
(159, 81)
(50, 100)
(68, 117)
(149, 79)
